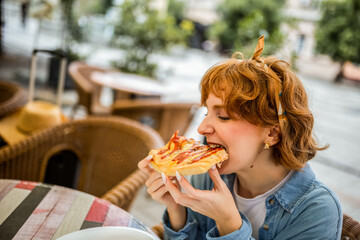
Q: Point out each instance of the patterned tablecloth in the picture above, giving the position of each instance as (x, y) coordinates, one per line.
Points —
(31, 210)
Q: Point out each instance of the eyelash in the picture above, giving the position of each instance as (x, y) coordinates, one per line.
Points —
(221, 118)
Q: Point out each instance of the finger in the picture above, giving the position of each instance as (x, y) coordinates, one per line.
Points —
(186, 186)
(179, 197)
(215, 177)
(155, 185)
(152, 177)
(159, 194)
(144, 164)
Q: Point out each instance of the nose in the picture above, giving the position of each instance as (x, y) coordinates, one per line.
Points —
(205, 128)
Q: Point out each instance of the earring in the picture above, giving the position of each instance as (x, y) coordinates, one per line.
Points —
(267, 146)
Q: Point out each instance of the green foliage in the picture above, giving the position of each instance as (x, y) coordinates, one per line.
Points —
(72, 31)
(142, 31)
(243, 22)
(93, 7)
(338, 31)
(176, 8)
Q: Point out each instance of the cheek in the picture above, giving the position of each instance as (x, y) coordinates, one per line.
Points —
(244, 136)
(243, 147)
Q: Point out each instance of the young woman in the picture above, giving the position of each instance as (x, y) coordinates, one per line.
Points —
(258, 111)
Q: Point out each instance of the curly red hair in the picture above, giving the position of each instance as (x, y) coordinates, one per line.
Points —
(250, 90)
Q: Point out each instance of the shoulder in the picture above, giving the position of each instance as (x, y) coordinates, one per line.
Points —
(311, 205)
(322, 197)
(320, 211)
(316, 195)
(304, 188)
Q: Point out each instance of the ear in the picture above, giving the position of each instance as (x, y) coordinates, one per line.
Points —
(273, 135)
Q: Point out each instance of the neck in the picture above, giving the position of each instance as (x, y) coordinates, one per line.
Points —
(260, 179)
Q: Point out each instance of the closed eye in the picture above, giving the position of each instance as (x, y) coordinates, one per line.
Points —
(224, 118)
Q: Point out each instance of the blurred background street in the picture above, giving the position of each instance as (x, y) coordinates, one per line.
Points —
(335, 105)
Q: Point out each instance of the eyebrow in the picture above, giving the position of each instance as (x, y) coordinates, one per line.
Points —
(218, 106)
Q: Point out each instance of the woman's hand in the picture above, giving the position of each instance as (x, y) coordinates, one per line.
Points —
(217, 204)
(155, 185)
(158, 191)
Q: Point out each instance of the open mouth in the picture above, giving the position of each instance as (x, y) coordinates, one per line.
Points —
(217, 146)
(213, 145)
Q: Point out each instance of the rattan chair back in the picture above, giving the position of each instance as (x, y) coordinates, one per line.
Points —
(12, 97)
(164, 117)
(108, 149)
(88, 93)
(350, 229)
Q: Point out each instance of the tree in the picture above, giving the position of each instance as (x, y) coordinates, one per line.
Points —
(243, 22)
(93, 7)
(141, 31)
(338, 31)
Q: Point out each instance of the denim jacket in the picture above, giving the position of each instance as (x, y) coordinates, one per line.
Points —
(303, 208)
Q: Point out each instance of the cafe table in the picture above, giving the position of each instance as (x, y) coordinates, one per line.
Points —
(130, 84)
(33, 210)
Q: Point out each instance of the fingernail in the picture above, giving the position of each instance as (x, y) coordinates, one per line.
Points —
(163, 177)
(213, 167)
(149, 157)
(150, 166)
(178, 177)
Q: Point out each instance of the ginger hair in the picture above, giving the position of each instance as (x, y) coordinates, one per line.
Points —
(250, 90)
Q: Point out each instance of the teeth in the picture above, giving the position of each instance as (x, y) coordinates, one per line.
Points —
(216, 146)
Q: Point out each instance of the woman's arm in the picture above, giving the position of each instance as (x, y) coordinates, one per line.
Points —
(156, 188)
(177, 217)
(217, 204)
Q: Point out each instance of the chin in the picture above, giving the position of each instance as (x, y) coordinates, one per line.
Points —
(223, 169)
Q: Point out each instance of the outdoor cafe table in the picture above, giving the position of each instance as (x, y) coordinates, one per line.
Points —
(32, 210)
(130, 84)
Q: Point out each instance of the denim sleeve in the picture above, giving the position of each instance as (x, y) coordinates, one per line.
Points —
(200, 227)
(190, 230)
(193, 231)
(244, 233)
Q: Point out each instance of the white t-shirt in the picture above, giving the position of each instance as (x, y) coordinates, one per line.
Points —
(255, 208)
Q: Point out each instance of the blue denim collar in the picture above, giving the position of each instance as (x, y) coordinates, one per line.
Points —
(300, 184)
(293, 190)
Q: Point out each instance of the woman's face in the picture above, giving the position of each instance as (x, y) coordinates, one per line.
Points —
(243, 141)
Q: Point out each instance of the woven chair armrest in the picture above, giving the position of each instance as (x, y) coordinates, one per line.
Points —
(125, 192)
(350, 229)
(158, 230)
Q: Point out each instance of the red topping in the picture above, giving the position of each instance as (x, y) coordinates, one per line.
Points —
(177, 146)
(195, 149)
(204, 152)
(207, 153)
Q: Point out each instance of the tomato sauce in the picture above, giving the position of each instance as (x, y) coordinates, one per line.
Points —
(177, 143)
(192, 152)
(174, 140)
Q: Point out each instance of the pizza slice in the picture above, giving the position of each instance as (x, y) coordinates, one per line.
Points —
(187, 156)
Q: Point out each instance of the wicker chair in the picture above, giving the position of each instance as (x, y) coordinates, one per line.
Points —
(88, 92)
(108, 149)
(12, 97)
(164, 117)
(350, 229)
